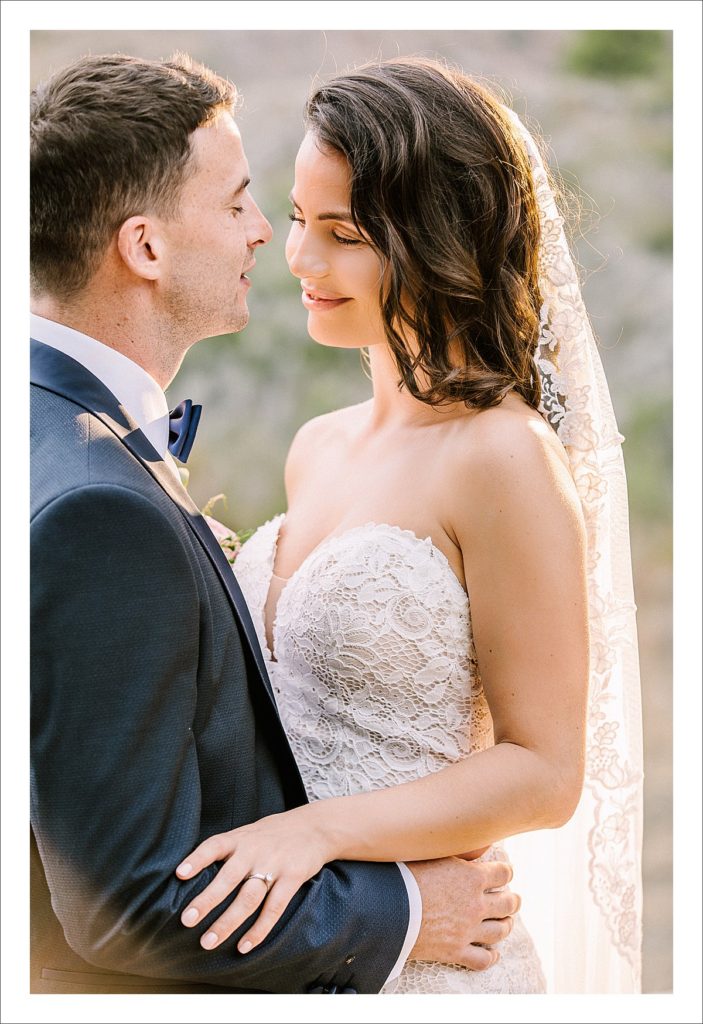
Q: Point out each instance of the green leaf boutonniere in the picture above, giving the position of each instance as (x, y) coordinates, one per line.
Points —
(229, 541)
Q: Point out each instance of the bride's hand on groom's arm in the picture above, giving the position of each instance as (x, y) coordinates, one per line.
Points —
(463, 914)
(287, 846)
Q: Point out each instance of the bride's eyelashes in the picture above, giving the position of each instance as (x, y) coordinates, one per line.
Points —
(346, 241)
(338, 238)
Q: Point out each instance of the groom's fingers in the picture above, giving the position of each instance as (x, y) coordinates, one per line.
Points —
(489, 933)
(500, 904)
(476, 958)
(497, 873)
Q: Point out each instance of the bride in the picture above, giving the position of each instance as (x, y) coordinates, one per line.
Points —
(427, 603)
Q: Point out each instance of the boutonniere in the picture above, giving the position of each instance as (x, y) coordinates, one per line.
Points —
(229, 541)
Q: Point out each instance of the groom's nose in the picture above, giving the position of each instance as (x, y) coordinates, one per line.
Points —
(259, 230)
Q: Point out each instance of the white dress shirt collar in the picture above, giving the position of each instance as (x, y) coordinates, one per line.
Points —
(132, 386)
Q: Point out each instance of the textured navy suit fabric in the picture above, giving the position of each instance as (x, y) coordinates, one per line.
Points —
(153, 727)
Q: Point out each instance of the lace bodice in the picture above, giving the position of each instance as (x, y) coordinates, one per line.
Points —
(377, 683)
(375, 671)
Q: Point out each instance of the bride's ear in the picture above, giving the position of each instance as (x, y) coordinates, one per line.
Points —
(141, 247)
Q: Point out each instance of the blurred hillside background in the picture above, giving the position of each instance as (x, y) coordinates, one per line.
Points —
(603, 101)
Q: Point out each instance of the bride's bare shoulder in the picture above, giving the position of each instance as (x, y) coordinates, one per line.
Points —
(321, 433)
(337, 423)
(511, 432)
(505, 453)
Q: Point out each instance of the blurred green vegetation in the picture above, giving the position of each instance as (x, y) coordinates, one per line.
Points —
(658, 235)
(649, 437)
(619, 54)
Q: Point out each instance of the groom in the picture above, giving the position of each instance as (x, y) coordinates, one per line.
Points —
(153, 720)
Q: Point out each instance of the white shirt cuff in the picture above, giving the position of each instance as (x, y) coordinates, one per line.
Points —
(414, 922)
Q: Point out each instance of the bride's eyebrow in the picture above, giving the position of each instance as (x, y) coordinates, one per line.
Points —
(331, 215)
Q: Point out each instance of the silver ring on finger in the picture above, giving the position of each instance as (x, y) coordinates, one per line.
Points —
(267, 879)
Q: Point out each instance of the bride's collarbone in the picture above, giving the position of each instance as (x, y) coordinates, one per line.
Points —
(343, 489)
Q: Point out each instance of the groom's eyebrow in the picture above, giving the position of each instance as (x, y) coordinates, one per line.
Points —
(245, 183)
(330, 215)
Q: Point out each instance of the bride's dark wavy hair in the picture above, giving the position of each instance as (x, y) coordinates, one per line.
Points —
(442, 187)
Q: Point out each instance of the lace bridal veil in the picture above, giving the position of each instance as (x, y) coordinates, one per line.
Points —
(581, 884)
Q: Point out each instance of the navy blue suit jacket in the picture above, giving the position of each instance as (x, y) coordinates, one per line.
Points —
(153, 727)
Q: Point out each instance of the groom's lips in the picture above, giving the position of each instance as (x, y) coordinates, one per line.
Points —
(243, 277)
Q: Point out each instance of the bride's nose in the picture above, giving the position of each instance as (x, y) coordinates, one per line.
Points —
(304, 260)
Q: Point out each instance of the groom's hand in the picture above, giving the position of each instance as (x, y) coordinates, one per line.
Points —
(460, 913)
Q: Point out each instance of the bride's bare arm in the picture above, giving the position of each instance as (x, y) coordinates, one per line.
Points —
(517, 521)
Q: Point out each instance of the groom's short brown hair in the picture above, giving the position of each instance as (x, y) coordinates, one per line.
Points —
(110, 138)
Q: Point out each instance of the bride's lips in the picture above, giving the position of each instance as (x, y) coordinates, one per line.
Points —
(319, 301)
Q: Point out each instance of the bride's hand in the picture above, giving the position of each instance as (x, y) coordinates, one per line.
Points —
(289, 846)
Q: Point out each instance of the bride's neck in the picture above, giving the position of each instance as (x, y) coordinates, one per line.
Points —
(392, 405)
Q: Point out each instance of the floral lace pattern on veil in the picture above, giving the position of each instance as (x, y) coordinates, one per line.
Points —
(576, 402)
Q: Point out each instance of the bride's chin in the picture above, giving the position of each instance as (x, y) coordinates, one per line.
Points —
(329, 340)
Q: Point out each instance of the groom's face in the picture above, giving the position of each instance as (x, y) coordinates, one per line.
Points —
(211, 243)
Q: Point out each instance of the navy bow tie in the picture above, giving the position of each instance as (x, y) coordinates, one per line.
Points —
(182, 425)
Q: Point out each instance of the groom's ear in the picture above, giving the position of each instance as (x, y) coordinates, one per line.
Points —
(141, 247)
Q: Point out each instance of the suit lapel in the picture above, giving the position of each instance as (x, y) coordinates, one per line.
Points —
(55, 371)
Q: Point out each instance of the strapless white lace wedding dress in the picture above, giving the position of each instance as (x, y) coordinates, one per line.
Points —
(376, 680)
